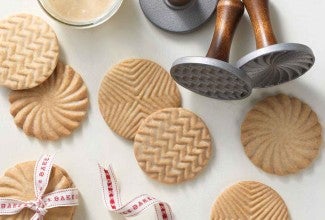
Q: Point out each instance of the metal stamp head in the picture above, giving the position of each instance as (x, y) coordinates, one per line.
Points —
(272, 63)
(212, 78)
(180, 16)
(277, 64)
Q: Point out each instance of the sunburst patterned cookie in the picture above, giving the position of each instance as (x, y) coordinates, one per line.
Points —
(281, 135)
(249, 200)
(55, 108)
(18, 183)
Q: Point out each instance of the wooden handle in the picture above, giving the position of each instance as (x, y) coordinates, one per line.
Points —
(259, 14)
(179, 2)
(229, 13)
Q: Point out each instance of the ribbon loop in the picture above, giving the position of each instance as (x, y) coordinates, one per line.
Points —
(58, 198)
(111, 196)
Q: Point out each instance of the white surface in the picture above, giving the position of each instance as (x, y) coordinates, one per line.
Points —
(128, 34)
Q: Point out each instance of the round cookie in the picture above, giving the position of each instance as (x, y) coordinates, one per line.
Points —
(281, 135)
(172, 145)
(18, 183)
(55, 108)
(249, 200)
(131, 91)
(29, 51)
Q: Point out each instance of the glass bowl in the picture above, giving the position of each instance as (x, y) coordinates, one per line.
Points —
(81, 13)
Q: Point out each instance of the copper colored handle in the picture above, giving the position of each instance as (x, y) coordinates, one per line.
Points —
(259, 14)
(229, 13)
(179, 2)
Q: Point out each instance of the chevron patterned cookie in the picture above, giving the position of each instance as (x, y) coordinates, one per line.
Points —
(29, 51)
(18, 183)
(249, 201)
(281, 135)
(131, 91)
(172, 145)
(55, 108)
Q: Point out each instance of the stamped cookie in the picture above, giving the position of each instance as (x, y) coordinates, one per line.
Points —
(172, 145)
(249, 200)
(131, 91)
(55, 108)
(18, 183)
(29, 51)
(281, 135)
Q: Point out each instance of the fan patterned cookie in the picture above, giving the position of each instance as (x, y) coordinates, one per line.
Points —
(172, 145)
(281, 135)
(29, 51)
(249, 201)
(55, 108)
(18, 183)
(133, 90)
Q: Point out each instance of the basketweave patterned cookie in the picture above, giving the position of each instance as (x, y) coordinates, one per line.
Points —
(249, 201)
(55, 108)
(29, 51)
(131, 91)
(281, 135)
(172, 145)
(18, 183)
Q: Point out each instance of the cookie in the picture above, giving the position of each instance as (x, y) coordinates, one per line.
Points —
(55, 108)
(18, 183)
(133, 90)
(172, 145)
(249, 200)
(29, 51)
(281, 135)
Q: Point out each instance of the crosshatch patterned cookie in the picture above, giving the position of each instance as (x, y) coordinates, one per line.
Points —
(29, 51)
(172, 145)
(131, 91)
(55, 108)
(249, 200)
(18, 183)
(281, 135)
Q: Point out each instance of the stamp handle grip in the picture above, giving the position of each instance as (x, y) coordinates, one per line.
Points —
(229, 13)
(259, 14)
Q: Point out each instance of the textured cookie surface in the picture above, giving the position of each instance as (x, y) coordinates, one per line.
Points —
(18, 183)
(172, 145)
(55, 108)
(131, 91)
(249, 201)
(29, 51)
(281, 135)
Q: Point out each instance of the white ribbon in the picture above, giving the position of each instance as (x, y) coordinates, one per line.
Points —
(111, 196)
(59, 198)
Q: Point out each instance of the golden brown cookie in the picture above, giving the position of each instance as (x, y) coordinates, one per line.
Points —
(131, 91)
(281, 135)
(55, 108)
(249, 200)
(18, 183)
(29, 51)
(172, 145)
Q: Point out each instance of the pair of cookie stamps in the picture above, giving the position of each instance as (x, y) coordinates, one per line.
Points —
(271, 64)
(49, 99)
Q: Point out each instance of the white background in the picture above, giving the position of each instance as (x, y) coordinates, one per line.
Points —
(128, 34)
